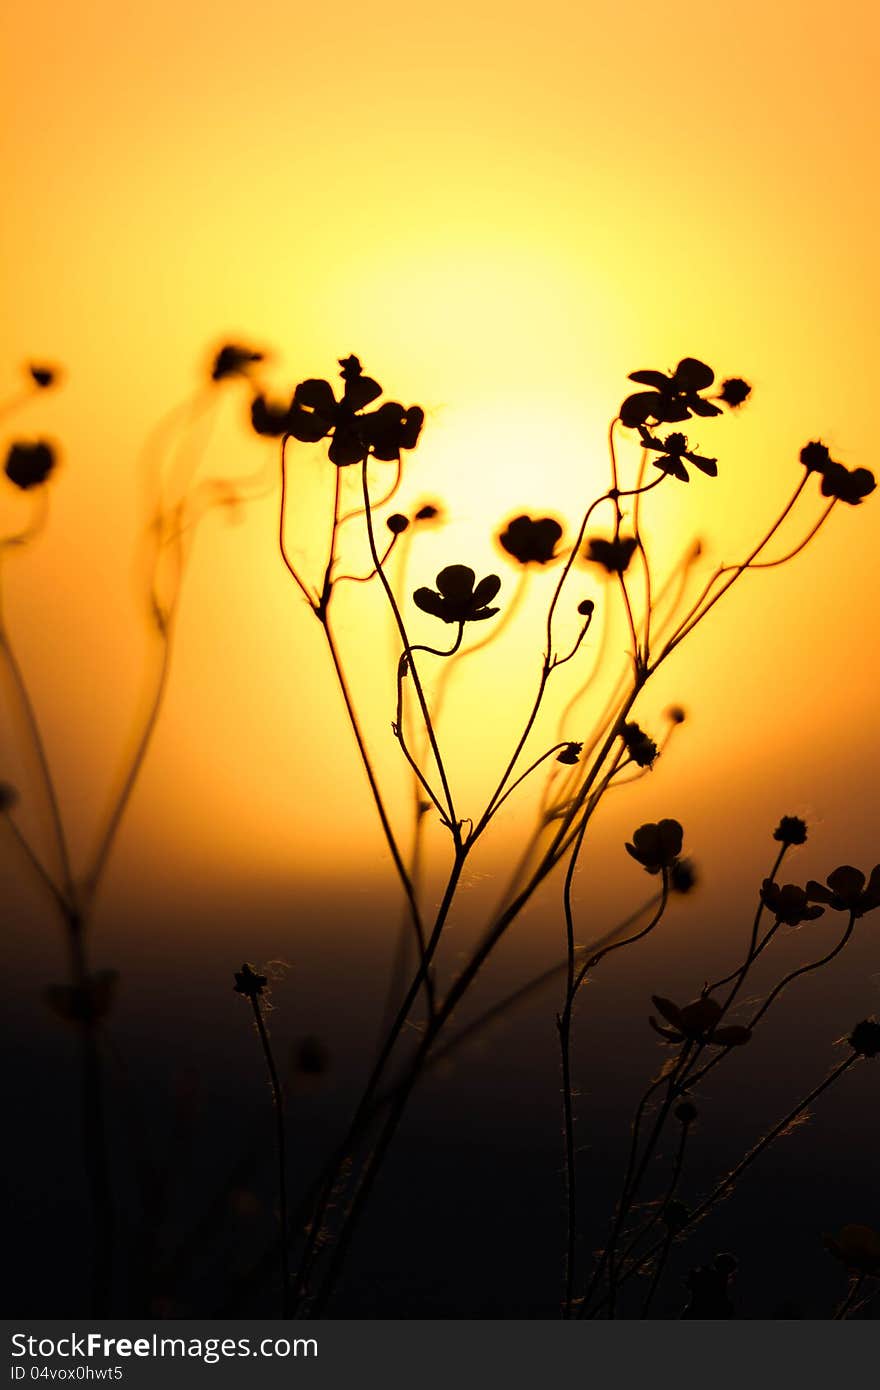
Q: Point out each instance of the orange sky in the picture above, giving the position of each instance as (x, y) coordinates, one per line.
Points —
(503, 210)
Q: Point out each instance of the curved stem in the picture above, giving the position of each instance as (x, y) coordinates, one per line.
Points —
(699, 611)
(404, 637)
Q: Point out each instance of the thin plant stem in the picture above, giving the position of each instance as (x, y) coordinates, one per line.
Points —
(727, 1184)
(404, 637)
(699, 611)
(390, 838)
(670, 1234)
(281, 1145)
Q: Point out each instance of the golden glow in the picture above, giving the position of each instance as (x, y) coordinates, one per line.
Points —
(502, 209)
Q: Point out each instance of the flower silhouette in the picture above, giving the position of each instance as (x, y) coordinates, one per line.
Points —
(430, 511)
(28, 465)
(788, 903)
(683, 876)
(865, 1038)
(815, 456)
(456, 600)
(850, 485)
(531, 542)
(675, 395)
(316, 414)
(570, 753)
(248, 982)
(734, 392)
(234, 360)
(641, 749)
(656, 846)
(791, 830)
(846, 890)
(42, 376)
(614, 556)
(697, 1022)
(858, 1247)
(672, 451)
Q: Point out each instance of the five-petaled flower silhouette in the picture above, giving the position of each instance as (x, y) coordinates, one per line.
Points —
(531, 542)
(858, 1247)
(788, 903)
(248, 982)
(315, 414)
(675, 395)
(234, 360)
(791, 830)
(697, 1023)
(865, 1038)
(455, 599)
(850, 485)
(734, 392)
(28, 465)
(641, 749)
(656, 846)
(614, 556)
(846, 890)
(672, 452)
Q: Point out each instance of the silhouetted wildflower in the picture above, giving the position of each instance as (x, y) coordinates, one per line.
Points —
(429, 512)
(456, 600)
(531, 542)
(234, 360)
(390, 429)
(614, 555)
(315, 414)
(683, 876)
(643, 750)
(656, 846)
(697, 1023)
(586, 608)
(734, 392)
(672, 451)
(43, 376)
(686, 1112)
(570, 754)
(791, 830)
(676, 395)
(8, 797)
(29, 464)
(858, 1247)
(248, 982)
(865, 1038)
(788, 903)
(397, 524)
(850, 485)
(86, 1003)
(815, 456)
(846, 890)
